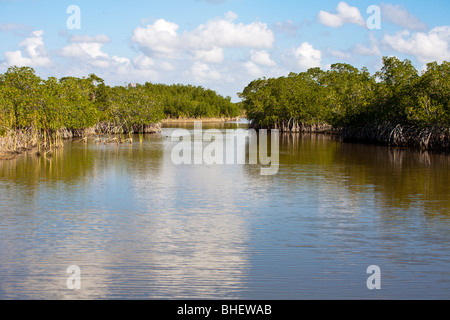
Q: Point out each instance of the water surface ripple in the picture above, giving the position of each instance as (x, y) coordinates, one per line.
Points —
(140, 227)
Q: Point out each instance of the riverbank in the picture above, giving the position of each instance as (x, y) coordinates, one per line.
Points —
(435, 138)
(205, 120)
(296, 127)
(7, 156)
(16, 142)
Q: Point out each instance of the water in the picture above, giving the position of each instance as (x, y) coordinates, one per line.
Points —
(140, 227)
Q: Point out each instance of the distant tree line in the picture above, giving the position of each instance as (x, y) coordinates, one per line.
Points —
(345, 97)
(27, 101)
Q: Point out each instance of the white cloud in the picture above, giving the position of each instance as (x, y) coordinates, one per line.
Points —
(204, 46)
(121, 66)
(88, 51)
(366, 51)
(206, 42)
(399, 15)
(305, 56)
(84, 55)
(214, 55)
(262, 58)
(201, 72)
(426, 47)
(101, 64)
(373, 50)
(84, 50)
(34, 45)
(345, 14)
(143, 62)
(166, 66)
(120, 60)
(160, 38)
(230, 15)
(34, 53)
(253, 69)
(340, 54)
(224, 32)
(15, 58)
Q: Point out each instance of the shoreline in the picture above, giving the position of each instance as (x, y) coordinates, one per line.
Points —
(18, 142)
(432, 139)
(205, 120)
(7, 155)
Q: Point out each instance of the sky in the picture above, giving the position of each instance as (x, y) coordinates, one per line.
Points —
(217, 44)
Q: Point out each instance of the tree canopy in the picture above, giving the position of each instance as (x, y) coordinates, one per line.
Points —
(27, 101)
(345, 96)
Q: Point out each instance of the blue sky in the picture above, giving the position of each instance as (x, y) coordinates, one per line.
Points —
(218, 44)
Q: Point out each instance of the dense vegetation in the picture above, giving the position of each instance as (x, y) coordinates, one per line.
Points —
(27, 101)
(395, 106)
(37, 113)
(347, 97)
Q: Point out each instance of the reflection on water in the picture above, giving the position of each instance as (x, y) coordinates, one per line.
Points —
(140, 227)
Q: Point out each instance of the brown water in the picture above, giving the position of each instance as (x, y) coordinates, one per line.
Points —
(140, 227)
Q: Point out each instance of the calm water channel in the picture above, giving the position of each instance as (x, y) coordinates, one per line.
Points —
(140, 227)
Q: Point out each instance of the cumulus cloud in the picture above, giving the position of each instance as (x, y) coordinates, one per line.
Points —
(399, 15)
(373, 50)
(33, 54)
(366, 51)
(206, 42)
(15, 58)
(213, 55)
(201, 72)
(160, 38)
(262, 58)
(86, 47)
(344, 14)
(88, 51)
(166, 66)
(260, 64)
(224, 32)
(84, 50)
(253, 69)
(340, 54)
(143, 62)
(426, 47)
(305, 56)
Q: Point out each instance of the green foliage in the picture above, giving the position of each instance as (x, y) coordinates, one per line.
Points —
(432, 96)
(347, 97)
(179, 101)
(27, 101)
(132, 106)
(20, 96)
